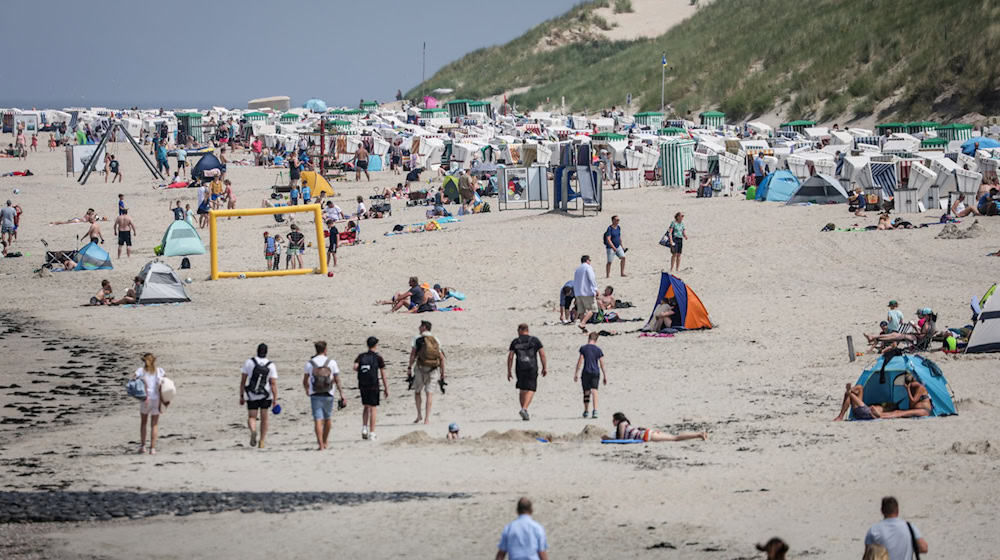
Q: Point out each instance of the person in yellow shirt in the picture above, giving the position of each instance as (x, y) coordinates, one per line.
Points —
(217, 189)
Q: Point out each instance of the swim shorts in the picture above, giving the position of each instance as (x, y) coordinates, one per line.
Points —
(260, 404)
(862, 413)
(124, 238)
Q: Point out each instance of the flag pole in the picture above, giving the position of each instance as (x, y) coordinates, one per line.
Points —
(663, 78)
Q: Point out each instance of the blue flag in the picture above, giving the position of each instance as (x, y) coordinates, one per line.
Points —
(664, 59)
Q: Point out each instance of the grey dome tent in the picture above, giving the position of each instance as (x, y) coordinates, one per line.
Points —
(160, 285)
(819, 189)
(985, 335)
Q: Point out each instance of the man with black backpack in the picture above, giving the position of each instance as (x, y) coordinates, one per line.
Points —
(370, 366)
(321, 376)
(259, 391)
(426, 352)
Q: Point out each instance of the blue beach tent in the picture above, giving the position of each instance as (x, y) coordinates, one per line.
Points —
(885, 384)
(207, 161)
(969, 146)
(778, 186)
(93, 257)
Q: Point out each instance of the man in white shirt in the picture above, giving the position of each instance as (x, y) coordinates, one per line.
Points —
(898, 537)
(333, 212)
(321, 376)
(585, 291)
(259, 391)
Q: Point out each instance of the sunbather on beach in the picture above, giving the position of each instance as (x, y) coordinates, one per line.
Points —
(105, 296)
(925, 328)
(662, 314)
(79, 220)
(884, 222)
(132, 294)
(920, 400)
(625, 430)
(854, 399)
(960, 210)
(606, 300)
(410, 299)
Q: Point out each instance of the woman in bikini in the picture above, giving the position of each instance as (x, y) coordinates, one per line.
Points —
(920, 400)
(625, 430)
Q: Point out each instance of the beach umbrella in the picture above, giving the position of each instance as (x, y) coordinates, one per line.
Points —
(969, 146)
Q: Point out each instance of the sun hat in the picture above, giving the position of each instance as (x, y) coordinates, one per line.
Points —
(453, 427)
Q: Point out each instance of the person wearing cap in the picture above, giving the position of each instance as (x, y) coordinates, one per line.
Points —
(923, 331)
(453, 431)
(369, 366)
(894, 317)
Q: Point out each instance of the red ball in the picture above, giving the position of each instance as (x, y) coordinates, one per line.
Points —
(330, 274)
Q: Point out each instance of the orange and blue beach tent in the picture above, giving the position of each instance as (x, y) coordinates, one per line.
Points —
(690, 312)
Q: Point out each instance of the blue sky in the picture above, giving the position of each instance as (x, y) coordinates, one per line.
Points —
(185, 53)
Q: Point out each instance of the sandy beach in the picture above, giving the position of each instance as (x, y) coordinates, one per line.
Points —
(765, 383)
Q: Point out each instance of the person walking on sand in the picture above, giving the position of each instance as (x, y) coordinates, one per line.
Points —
(369, 366)
(259, 391)
(526, 349)
(149, 410)
(361, 163)
(124, 229)
(7, 216)
(523, 538)
(592, 360)
(429, 357)
(585, 291)
(899, 538)
(114, 167)
(613, 246)
(320, 379)
(94, 231)
(678, 233)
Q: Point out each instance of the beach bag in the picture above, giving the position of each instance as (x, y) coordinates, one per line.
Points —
(322, 378)
(257, 383)
(665, 240)
(429, 356)
(137, 389)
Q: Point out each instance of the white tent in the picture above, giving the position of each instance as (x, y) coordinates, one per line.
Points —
(986, 333)
(819, 189)
(160, 285)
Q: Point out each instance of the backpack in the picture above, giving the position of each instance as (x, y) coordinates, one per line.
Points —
(136, 388)
(322, 378)
(429, 355)
(368, 370)
(257, 383)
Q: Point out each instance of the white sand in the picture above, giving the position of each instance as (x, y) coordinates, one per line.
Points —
(765, 383)
(648, 18)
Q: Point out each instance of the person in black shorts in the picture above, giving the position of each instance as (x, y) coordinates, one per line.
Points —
(370, 366)
(527, 349)
(592, 360)
(259, 391)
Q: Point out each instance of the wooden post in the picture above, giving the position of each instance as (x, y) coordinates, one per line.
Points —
(850, 348)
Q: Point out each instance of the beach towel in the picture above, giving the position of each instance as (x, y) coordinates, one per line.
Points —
(655, 335)
(451, 308)
(621, 441)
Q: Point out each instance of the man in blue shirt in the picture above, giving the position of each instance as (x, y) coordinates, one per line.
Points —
(613, 245)
(758, 169)
(523, 538)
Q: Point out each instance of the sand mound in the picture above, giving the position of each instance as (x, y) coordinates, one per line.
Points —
(416, 437)
(517, 436)
(983, 447)
(951, 231)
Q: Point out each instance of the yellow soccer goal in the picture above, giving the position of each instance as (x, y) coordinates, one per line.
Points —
(320, 244)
